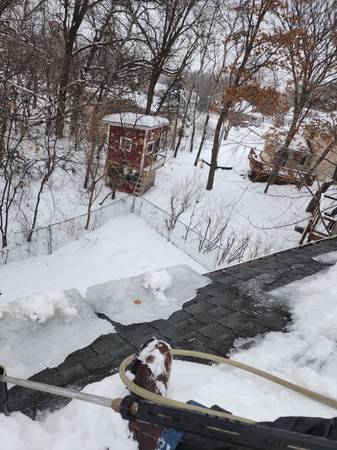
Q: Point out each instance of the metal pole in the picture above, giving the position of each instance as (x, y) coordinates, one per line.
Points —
(49, 240)
(3, 394)
(62, 392)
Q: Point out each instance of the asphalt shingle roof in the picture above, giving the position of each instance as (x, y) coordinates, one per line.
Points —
(237, 303)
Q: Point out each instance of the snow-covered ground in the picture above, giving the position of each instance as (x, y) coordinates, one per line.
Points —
(267, 218)
(122, 248)
(306, 355)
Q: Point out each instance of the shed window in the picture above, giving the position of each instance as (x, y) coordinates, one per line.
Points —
(153, 147)
(126, 144)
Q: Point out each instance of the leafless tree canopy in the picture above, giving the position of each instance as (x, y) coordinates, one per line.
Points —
(64, 64)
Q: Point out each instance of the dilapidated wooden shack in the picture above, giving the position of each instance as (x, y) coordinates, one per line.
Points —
(136, 149)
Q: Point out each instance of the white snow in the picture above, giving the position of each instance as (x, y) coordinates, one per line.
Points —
(43, 315)
(128, 301)
(135, 120)
(306, 355)
(77, 426)
(328, 258)
(40, 308)
(41, 330)
(122, 248)
(158, 282)
(268, 219)
(92, 427)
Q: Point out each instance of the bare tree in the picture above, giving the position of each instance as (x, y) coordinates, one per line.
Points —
(71, 17)
(182, 197)
(307, 34)
(165, 31)
(246, 46)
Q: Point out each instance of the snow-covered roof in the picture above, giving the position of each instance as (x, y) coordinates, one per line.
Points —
(134, 120)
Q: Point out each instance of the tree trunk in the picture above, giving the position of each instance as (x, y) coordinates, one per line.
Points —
(183, 123)
(76, 111)
(150, 93)
(216, 147)
(62, 97)
(193, 127)
(203, 137)
(43, 182)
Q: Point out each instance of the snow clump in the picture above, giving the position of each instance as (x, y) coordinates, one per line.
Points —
(158, 282)
(40, 308)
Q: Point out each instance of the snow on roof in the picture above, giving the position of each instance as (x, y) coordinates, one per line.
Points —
(134, 120)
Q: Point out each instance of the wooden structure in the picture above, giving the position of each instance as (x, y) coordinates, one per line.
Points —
(312, 151)
(323, 222)
(261, 169)
(136, 149)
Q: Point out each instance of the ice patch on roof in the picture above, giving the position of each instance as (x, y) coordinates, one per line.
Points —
(128, 301)
(328, 258)
(42, 330)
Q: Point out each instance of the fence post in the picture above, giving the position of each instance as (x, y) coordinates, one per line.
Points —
(49, 240)
(133, 203)
(3, 394)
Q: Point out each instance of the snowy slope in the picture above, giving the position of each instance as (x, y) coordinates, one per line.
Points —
(268, 218)
(123, 247)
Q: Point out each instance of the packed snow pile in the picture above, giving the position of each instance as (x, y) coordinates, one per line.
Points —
(77, 426)
(158, 282)
(132, 300)
(40, 331)
(89, 427)
(307, 353)
(41, 308)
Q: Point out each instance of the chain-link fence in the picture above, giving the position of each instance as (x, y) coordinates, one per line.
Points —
(211, 254)
(46, 240)
(182, 236)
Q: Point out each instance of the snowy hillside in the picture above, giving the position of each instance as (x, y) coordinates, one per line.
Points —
(124, 247)
(268, 219)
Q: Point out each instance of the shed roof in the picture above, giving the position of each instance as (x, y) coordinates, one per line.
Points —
(135, 120)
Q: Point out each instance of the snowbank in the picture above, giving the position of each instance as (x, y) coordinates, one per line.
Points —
(90, 427)
(40, 308)
(307, 353)
(77, 426)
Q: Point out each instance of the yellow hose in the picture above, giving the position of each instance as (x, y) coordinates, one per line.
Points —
(158, 399)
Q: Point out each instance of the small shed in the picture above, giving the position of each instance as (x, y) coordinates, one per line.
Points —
(136, 149)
